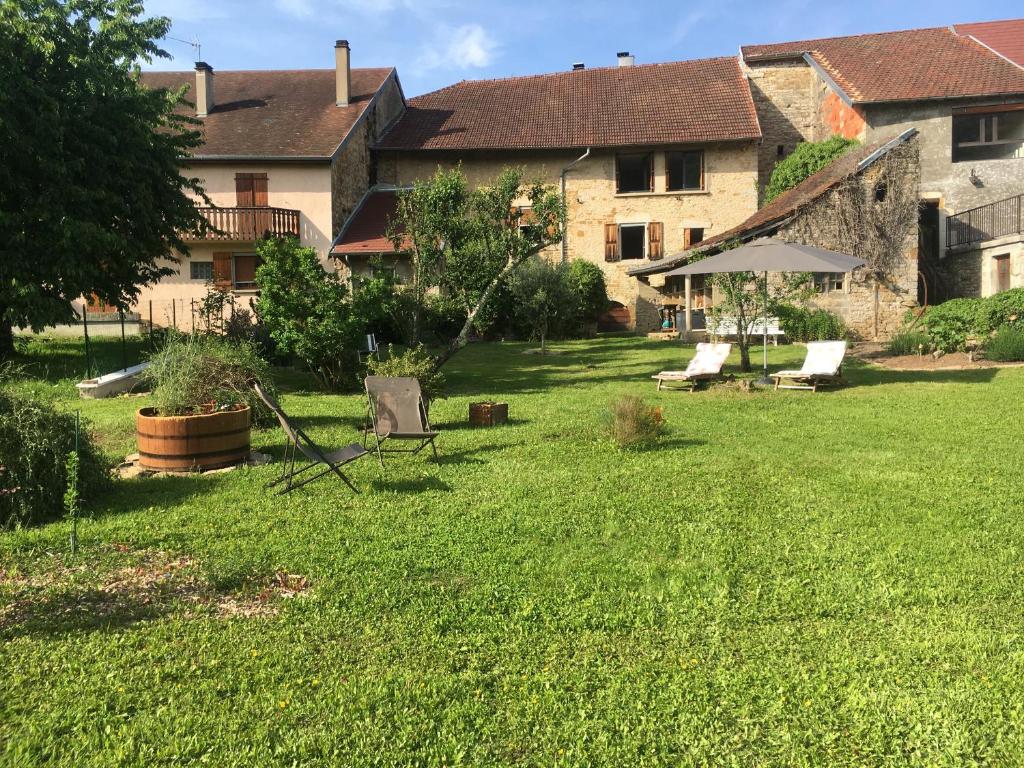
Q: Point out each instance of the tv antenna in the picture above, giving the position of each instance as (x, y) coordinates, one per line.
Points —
(197, 49)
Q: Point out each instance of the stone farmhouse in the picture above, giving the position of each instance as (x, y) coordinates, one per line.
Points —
(658, 162)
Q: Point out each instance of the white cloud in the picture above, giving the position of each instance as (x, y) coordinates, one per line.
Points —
(464, 47)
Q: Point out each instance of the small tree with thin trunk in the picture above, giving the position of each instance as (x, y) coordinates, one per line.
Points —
(466, 242)
(542, 290)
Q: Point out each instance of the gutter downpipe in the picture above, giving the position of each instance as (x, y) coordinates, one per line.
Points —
(565, 234)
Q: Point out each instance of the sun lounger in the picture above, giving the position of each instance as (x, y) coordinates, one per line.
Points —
(706, 365)
(299, 442)
(397, 412)
(822, 366)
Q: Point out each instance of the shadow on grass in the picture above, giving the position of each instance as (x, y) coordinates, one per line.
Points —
(58, 358)
(157, 491)
(72, 611)
(469, 455)
(409, 485)
(861, 374)
(456, 426)
(667, 444)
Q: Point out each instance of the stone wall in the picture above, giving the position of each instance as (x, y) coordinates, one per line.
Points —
(729, 197)
(971, 272)
(352, 168)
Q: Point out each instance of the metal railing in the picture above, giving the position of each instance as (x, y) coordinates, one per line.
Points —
(249, 223)
(998, 219)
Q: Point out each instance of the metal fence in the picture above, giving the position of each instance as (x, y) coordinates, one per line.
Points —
(998, 219)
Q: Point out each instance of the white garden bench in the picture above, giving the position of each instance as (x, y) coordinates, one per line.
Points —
(729, 326)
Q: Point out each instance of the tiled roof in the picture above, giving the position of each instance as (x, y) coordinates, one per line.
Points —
(904, 66)
(1004, 37)
(785, 205)
(680, 102)
(276, 113)
(366, 229)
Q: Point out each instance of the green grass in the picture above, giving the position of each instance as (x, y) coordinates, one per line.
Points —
(785, 579)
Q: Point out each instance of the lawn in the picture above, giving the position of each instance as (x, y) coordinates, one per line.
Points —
(785, 579)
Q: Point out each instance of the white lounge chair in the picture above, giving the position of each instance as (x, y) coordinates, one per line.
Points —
(823, 365)
(706, 365)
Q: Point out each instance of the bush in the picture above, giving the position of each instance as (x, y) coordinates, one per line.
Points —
(807, 159)
(586, 281)
(35, 440)
(443, 317)
(545, 304)
(414, 362)
(951, 323)
(1006, 346)
(243, 327)
(634, 423)
(197, 373)
(802, 324)
(908, 343)
(1001, 309)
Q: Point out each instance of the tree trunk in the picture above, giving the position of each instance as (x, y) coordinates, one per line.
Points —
(463, 338)
(6, 336)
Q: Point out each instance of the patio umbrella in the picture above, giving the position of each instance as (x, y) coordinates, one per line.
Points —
(766, 254)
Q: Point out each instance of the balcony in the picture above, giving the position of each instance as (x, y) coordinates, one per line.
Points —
(986, 222)
(247, 224)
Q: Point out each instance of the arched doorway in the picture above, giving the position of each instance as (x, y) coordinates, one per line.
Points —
(615, 318)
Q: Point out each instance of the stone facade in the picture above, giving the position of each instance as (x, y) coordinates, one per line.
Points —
(972, 272)
(352, 165)
(729, 197)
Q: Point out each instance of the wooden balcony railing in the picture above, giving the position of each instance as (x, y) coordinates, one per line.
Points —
(246, 224)
(986, 222)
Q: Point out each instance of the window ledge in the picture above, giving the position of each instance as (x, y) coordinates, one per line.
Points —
(674, 193)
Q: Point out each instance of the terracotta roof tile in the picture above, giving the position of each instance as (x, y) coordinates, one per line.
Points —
(1004, 37)
(680, 102)
(276, 113)
(366, 229)
(904, 66)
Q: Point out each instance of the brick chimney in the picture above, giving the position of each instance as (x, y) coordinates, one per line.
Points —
(342, 74)
(204, 89)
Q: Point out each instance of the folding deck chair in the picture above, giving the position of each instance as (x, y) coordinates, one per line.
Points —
(822, 366)
(397, 412)
(299, 442)
(706, 365)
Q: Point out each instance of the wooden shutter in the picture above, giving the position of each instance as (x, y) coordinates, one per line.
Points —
(243, 190)
(260, 196)
(611, 242)
(650, 171)
(655, 249)
(687, 238)
(222, 270)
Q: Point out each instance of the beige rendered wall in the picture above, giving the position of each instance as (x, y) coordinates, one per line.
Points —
(302, 186)
(729, 197)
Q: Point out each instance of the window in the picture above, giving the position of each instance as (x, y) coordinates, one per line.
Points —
(632, 241)
(826, 282)
(988, 136)
(244, 270)
(1001, 264)
(685, 170)
(634, 173)
(692, 236)
(524, 219)
(383, 273)
(251, 190)
(201, 270)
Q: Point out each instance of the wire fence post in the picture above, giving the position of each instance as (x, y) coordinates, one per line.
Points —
(150, 321)
(85, 331)
(124, 349)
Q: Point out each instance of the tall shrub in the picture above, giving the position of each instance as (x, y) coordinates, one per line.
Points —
(35, 440)
(586, 281)
(544, 300)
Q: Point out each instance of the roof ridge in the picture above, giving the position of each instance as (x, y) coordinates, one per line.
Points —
(845, 37)
(576, 72)
(260, 71)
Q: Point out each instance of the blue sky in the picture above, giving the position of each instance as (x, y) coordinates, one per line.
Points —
(437, 42)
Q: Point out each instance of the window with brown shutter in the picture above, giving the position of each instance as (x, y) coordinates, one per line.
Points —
(222, 270)
(655, 250)
(260, 197)
(611, 242)
(244, 197)
(245, 270)
(692, 236)
(1001, 272)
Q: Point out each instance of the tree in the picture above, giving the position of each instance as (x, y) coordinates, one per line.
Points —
(544, 295)
(467, 242)
(807, 159)
(307, 311)
(91, 189)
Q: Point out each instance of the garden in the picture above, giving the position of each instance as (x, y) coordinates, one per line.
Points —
(774, 578)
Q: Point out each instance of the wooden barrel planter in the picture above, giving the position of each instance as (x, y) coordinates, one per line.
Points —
(192, 443)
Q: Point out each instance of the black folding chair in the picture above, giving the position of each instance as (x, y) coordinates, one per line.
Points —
(300, 442)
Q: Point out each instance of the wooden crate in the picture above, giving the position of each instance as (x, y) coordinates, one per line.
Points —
(488, 414)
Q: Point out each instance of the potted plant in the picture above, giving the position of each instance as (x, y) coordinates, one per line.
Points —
(203, 404)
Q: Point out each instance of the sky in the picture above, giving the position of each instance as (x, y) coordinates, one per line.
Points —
(434, 43)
